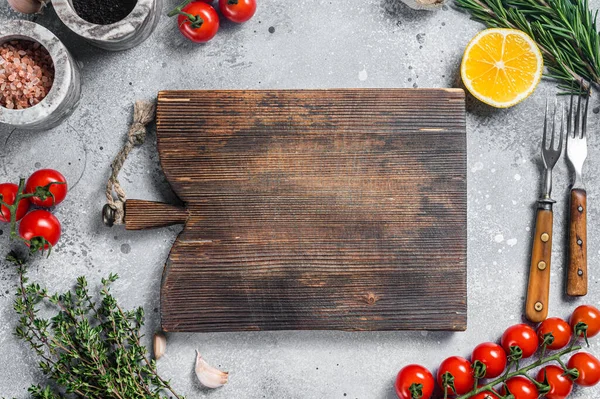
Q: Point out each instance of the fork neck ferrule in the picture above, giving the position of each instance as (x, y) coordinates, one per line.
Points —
(578, 183)
(547, 189)
(545, 203)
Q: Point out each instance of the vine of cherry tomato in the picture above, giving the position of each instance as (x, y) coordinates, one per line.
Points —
(460, 377)
(199, 22)
(492, 356)
(39, 228)
(237, 10)
(560, 384)
(460, 369)
(40, 223)
(560, 329)
(54, 180)
(414, 380)
(520, 336)
(8, 194)
(521, 388)
(589, 315)
(588, 368)
(486, 395)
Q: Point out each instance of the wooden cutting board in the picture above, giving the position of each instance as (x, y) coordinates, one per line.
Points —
(313, 209)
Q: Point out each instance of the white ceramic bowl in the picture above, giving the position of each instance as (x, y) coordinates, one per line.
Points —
(63, 97)
(122, 35)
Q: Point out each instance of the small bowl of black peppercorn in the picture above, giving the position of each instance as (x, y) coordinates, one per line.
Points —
(110, 24)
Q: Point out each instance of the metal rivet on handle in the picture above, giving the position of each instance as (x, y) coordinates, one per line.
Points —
(579, 242)
(545, 237)
(538, 306)
(542, 265)
(580, 272)
(580, 209)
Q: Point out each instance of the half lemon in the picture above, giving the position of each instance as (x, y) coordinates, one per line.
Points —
(501, 67)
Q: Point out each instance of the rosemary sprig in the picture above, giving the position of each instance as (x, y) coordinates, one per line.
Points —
(565, 31)
(88, 350)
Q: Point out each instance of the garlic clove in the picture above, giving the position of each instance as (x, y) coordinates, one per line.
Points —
(209, 376)
(159, 345)
(27, 6)
(424, 4)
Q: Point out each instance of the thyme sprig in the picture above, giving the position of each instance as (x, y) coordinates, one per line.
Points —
(89, 349)
(565, 31)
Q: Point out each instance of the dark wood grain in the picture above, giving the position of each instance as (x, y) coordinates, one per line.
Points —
(538, 290)
(140, 215)
(316, 209)
(577, 275)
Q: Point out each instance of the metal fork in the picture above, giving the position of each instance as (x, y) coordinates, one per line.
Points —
(538, 290)
(577, 280)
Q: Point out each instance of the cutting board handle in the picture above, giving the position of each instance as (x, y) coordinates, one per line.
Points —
(141, 215)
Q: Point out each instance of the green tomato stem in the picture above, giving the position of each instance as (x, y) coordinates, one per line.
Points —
(542, 360)
(13, 211)
(178, 9)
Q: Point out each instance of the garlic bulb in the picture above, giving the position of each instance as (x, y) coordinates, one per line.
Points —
(424, 4)
(160, 345)
(27, 6)
(209, 376)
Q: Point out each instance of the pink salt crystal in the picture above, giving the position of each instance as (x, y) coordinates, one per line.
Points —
(26, 74)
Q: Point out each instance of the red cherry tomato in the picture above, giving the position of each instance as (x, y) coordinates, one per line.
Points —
(588, 367)
(560, 385)
(40, 223)
(588, 315)
(460, 368)
(493, 356)
(202, 24)
(560, 329)
(42, 178)
(520, 335)
(237, 10)
(486, 395)
(521, 388)
(9, 191)
(414, 374)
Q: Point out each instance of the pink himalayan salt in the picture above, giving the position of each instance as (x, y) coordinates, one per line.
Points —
(26, 74)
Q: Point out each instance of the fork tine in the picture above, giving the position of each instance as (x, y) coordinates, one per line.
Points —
(584, 118)
(576, 132)
(545, 128)
(553, 126)
(570, 118)
(562, 125)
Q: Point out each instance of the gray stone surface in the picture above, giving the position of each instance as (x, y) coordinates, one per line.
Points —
(308, 44)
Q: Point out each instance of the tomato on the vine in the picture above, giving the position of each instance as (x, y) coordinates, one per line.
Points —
(238, 10)
(522, 336)
(42, 178)
(560, 329)
(493, 356)
(521, 388)
(486, 395)
(460, 368)
(198, 22)
(9, 191)
(38, 224)
(560, 384)
(589, 315)
(587, 366)
(417, 375)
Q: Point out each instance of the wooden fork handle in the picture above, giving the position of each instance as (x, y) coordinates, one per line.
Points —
(536, 307)
(577, 280)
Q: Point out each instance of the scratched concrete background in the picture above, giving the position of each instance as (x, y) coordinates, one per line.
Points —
(308, 44)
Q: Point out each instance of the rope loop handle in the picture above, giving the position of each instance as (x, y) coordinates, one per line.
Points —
(114, 210)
